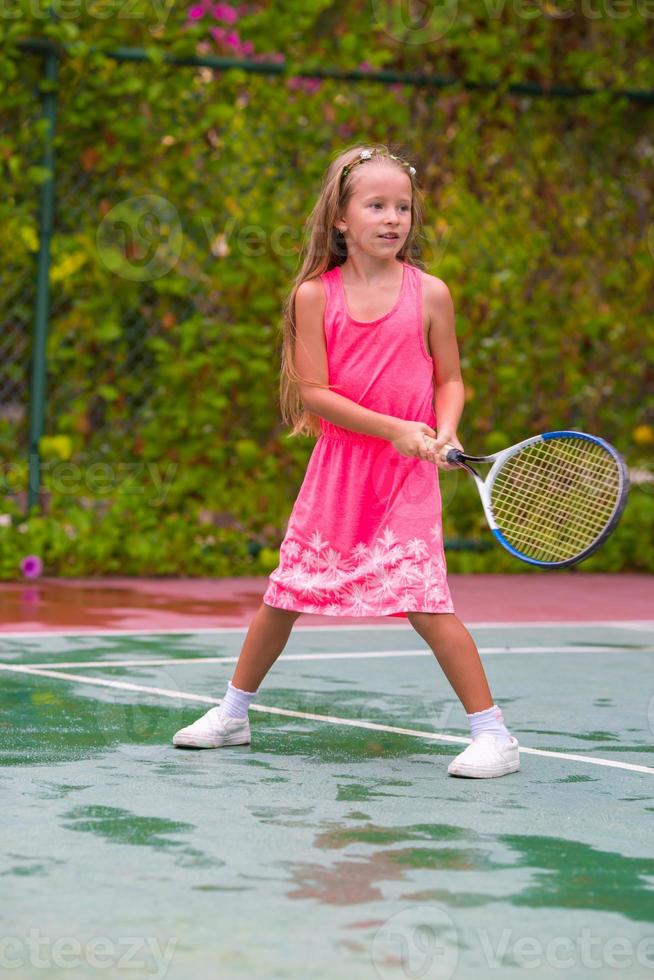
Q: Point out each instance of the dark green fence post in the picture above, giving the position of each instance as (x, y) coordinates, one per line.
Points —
(46, 213)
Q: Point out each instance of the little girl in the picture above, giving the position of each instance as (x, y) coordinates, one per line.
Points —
(370, 364)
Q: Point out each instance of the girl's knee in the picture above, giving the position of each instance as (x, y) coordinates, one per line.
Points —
(288, 614)
(422, 620)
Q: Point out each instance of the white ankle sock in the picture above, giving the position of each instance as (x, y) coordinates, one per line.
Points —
(490, 720)
(236, 702)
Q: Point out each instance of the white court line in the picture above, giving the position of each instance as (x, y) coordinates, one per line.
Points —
(352, 655)
(635, 625)
(638, 624)
(331, 719)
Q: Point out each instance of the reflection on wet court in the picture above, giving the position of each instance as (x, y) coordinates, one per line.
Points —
(336, 842)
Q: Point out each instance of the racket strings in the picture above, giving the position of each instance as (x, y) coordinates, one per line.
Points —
(555, 484)
(555, 539)
(542, 503)
(532, 482)
(553, 499)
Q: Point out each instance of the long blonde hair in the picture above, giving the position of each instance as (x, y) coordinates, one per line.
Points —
(323, 249)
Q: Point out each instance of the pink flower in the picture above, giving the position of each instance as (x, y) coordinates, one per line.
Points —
(196, 13)
(217, 33)
(365, 66)
(233, 40)
(31, 566)
(222, 11)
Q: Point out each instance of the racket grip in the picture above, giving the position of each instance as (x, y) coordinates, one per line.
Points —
(451, 454)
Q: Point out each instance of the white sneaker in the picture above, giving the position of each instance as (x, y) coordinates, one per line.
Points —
(487, 755)
(212, 730)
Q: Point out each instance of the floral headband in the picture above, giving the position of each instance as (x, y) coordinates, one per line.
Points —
(367, 154)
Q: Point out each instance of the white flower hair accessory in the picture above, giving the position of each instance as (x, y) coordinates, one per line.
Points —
(367, 155)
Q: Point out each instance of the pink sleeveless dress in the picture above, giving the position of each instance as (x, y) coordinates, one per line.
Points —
(364, 537)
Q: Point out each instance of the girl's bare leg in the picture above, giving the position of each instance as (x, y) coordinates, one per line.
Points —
(457, 654)
(265, 639)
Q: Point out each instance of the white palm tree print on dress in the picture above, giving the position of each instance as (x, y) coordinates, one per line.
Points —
(376, 579)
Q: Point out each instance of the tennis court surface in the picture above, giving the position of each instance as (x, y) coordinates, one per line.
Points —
(335, 844)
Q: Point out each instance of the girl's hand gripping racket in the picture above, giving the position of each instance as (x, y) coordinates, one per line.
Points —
(552, 499)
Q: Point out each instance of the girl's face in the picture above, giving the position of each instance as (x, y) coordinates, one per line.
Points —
(377, 218)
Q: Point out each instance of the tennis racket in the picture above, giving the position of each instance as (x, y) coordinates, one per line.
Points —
(551, 500)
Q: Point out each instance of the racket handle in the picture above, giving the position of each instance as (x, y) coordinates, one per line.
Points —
(451, 454)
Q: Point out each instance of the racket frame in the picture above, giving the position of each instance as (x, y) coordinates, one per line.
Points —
(485, 486)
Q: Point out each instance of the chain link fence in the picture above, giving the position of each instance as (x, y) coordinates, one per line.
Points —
(19, 237)
(137, 316)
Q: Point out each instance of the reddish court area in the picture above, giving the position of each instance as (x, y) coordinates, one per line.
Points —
(51, 604)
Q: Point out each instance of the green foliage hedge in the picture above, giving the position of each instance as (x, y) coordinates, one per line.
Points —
(538, 219)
